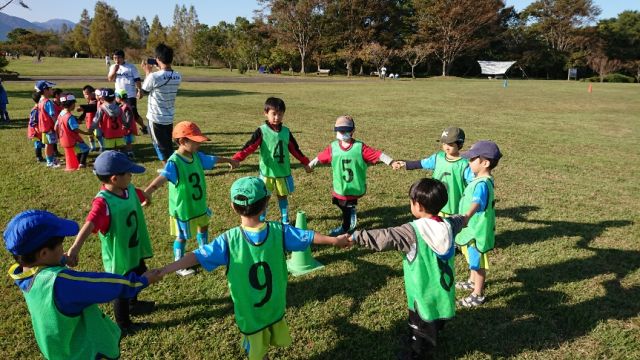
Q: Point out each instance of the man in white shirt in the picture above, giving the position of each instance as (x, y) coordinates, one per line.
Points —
(162, 86)
(127, 78)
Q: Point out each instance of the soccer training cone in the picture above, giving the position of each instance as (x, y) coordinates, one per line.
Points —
(302, 262)
(590, 88)
(71, 159)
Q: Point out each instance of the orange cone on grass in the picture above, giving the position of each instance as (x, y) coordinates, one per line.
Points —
(590, 88)
(71, 159)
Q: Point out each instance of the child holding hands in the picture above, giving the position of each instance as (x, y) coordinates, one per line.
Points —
(349, 159)
(254, 254)
(184, 170)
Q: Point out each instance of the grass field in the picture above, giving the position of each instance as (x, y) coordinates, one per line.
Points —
(565, 276)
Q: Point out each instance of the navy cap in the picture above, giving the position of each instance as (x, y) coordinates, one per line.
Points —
(485, 148)
(113, 162)
(30, 229)
(43, 84)
(108, 93)
(344, 123)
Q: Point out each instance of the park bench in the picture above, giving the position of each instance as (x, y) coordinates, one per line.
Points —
(323, 72)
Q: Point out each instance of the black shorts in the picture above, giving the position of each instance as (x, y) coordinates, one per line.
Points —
(161, 138)
(344, 203)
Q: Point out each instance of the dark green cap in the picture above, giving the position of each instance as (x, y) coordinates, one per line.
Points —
(248, 190)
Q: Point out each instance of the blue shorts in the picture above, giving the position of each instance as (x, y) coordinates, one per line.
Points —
(49, 138)
(81, 148)
(128, 139)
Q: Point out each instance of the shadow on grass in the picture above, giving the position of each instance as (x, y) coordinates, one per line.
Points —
(213, 93)
(538, 316)
(380, 217)
(15, 123)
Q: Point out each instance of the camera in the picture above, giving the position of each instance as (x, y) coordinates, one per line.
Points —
(152, 61)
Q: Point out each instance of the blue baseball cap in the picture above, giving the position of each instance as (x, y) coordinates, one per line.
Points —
(113, 162)
(485, 148)
(30, 229)
(43, 84)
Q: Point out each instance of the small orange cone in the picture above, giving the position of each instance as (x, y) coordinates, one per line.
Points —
(71, 159)
(590, 88)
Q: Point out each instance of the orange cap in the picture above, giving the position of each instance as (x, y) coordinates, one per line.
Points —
(189, 130)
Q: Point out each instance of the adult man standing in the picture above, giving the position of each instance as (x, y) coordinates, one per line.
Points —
(162, 87)
(128, 79)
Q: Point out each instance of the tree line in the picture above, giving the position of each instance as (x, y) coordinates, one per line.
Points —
(425, 37)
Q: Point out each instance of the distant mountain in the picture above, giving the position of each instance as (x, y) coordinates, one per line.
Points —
(8, 23)
(55, 24)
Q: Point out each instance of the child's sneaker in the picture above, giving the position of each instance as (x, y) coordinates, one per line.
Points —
(464, 285)
(472, 300)
(185, 272)
(337, 231)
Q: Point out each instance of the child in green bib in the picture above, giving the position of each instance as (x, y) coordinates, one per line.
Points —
(116, 216)
(67, 322)
(275, 141)
(427, 244)
(349, 159)
(188, 210)
(447, 166)
(254, 255)
(478, 205)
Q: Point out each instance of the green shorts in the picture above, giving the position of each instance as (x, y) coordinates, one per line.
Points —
(113, 143)
(257, 345)
(186, 230)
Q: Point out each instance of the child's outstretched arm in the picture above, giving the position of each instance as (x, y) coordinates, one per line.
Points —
(341, 241)
(394, 238)
(188, 260)
(73, 252)
(233, 163)
(158, 182)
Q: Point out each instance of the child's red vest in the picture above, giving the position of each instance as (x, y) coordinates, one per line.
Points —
(68, 138)
(130, 128)
(112, 127)
(45, 121)
(32, 127)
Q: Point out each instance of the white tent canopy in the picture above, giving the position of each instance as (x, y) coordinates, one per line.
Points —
(495, 67)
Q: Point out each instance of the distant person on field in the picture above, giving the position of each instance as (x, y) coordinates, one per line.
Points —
(162, 86)
(33, 132)
(4, 101)
(275, 141)
(478, 206)
(46, 121)
(254, 256)
(107, 60)
(88, 113)
(127, 79)
(67, 322)
(427, 246)
(189, 212)
(69, 131)
(447, 166)
(116, 216)
(109, 119)
(349, 159)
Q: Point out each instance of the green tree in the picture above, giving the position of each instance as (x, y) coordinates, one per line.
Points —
(181, 33)
(157, 34)
(80, 34)
(107, 31)
(137, 32)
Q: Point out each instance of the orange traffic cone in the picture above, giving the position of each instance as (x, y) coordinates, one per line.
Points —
(590, 88)
(71, 159)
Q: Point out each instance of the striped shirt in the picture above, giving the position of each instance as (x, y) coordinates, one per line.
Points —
(162, 87)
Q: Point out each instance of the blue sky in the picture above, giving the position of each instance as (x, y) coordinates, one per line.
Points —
(211, 12)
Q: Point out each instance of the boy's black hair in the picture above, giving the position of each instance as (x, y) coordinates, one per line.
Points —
(431, 194)
(250, 210)
(89, 88)
(164, 53)
(35, 96)
(30, 258)
(492, 162)
(57, 91)
(105, 179)
(274, 103)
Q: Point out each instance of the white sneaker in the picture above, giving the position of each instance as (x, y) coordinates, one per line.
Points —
(185, 272)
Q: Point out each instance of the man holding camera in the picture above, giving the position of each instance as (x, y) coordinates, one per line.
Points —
(127, 78)
(162, 87)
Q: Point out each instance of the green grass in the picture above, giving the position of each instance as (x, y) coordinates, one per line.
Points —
(565, 276)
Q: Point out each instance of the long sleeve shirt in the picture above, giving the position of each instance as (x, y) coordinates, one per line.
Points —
(256, 139)
(76, 290)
